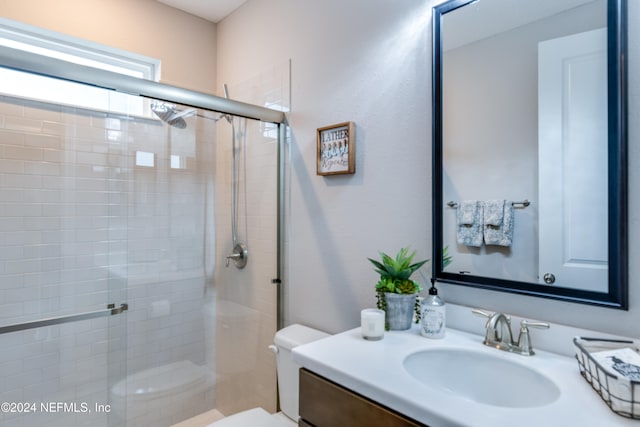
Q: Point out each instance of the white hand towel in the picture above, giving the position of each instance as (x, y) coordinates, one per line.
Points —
(468, 212)
(469, 217)
(493, 212)
(501, 234)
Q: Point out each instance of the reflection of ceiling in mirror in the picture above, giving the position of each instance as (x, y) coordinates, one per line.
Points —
(461, 27)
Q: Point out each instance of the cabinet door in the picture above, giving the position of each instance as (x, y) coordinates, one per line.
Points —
(327, 404)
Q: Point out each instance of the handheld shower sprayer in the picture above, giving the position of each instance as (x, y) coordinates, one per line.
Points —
(240, 252)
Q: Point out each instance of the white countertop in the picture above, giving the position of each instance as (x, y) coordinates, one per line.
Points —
(374, 369)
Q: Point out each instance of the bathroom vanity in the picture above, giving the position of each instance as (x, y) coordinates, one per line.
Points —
(325, 403)
(456, 381)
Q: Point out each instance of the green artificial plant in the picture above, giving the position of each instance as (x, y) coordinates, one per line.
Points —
(395, 275)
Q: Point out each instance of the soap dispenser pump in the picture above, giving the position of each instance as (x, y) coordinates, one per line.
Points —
(433, 319)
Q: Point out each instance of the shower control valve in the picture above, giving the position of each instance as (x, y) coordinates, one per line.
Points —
(230, 257)
(239, 256)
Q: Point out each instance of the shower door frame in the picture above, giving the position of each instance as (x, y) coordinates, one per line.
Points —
(37, 64)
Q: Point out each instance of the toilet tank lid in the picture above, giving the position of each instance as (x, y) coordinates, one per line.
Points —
(295, 335)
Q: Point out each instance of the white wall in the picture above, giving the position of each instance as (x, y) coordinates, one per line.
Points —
(183, 42)
(370, 62)
(367, 62)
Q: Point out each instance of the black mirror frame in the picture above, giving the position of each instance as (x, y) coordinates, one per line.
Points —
(617, 295)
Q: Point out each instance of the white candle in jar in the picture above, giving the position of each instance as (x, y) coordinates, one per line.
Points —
(372, 323)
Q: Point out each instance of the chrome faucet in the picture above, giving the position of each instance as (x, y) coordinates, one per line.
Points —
(498, 333)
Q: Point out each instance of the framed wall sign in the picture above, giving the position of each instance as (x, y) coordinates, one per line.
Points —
(336, 149)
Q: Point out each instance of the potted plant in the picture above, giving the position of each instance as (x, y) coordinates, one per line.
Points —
(395, 291)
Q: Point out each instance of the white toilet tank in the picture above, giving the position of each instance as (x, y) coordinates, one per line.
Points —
(285, 340)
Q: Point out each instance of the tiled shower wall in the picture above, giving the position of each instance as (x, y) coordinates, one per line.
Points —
(81, 225)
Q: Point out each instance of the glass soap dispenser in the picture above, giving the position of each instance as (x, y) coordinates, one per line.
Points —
(433, 314)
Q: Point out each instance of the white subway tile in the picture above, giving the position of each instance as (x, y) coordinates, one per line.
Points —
(11, 137)
(11, 166)
(42, 168)
(22, 124)
(43, 141)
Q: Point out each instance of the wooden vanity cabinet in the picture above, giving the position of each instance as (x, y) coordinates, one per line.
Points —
(326, 404)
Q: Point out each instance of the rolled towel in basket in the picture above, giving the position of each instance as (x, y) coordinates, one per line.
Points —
(498, 222)
(469, 219)
(624, 365)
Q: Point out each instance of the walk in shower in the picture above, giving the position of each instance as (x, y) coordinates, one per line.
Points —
(116, 307)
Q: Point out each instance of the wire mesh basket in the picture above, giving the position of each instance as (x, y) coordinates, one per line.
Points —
(613, 383)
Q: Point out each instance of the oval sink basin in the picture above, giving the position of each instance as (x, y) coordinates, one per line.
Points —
(481, 377)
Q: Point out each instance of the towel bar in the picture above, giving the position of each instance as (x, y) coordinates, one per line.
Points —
(522, 204)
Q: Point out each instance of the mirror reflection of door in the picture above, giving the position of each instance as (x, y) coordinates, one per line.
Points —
(572, 95)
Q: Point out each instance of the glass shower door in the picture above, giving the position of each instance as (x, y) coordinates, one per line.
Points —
(169, 258)
(62, 291)
(114, 232)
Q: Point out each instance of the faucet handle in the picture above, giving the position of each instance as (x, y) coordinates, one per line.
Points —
(481, 313)
(524, 340)
(539, 325)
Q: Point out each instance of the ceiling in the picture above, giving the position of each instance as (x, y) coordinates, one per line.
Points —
(211, 10)
(498, 16)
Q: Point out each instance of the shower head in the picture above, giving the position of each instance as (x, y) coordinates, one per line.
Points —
(170, 115)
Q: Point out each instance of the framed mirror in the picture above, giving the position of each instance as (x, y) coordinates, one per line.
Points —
(530, 147)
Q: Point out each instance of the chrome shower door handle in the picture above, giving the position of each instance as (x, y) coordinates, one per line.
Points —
(239, 256)
(111, 310)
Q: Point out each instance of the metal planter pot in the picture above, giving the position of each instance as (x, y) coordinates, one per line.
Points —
(400, 309)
